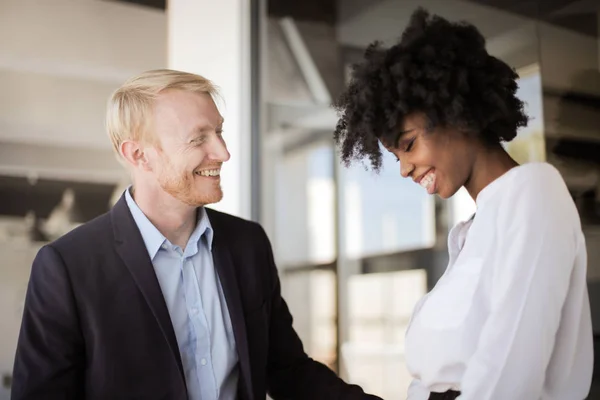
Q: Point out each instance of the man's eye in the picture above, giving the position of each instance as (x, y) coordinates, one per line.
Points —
(409, 146)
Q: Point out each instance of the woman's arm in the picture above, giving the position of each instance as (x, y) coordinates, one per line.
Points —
(537, 243)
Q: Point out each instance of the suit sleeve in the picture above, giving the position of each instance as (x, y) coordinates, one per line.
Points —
(49, 360)
(291, 374)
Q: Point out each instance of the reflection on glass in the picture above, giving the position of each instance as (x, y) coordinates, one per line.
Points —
(305, 206)
(311, 298)
(529, 145)
(384, 213)
(379, 309)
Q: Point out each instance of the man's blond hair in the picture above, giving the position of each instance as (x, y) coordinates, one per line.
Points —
(129, 111)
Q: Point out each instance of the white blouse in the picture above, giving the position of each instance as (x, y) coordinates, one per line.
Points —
(510, 318)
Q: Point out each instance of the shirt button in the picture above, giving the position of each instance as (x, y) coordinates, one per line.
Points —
(164, 246)
(194, 311)
(203, 361)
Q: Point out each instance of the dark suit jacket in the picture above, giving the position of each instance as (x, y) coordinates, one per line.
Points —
(96, 326)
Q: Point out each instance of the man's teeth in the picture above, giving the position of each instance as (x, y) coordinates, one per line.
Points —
(209, 172)
(427, 180)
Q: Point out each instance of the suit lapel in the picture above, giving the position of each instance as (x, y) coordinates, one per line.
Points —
(132, 250)
(227, 276)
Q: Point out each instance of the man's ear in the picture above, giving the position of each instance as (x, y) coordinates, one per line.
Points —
(134, 154)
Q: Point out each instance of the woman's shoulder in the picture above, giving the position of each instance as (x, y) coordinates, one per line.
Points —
(538, 170)
(537, 189)
(539, 181)
(536, 180)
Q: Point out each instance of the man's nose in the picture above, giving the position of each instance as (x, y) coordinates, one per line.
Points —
(218, 150)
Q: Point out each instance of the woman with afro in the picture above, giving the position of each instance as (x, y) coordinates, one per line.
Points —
(510, 317)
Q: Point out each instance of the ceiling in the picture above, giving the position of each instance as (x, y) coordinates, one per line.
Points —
(541, 8)
(306, 10)
(577, 15)
(159, 4)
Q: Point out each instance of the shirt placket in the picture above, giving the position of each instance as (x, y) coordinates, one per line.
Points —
(199, 328)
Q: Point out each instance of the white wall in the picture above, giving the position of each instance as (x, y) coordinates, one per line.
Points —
(212, 38)
(59, 62)
(97, 40)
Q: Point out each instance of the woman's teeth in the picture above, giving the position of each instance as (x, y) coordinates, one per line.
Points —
(427, 180)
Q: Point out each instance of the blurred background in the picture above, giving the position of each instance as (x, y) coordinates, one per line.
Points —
(355, 250)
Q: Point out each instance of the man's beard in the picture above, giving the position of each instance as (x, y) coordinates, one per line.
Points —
(183, 186)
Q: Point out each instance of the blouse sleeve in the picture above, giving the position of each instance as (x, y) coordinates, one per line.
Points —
(537, 244)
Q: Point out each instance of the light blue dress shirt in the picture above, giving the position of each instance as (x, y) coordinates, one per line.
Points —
(197, 307)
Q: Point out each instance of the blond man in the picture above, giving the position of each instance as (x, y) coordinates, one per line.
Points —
(162, 298)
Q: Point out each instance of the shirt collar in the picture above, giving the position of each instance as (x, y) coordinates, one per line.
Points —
(203, 227)
(152, 237)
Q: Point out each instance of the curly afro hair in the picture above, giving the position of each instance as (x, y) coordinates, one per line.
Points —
(438, 68)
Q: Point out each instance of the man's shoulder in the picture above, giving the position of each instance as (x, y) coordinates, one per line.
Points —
(230, 221)
(234, 226)
(86, 236)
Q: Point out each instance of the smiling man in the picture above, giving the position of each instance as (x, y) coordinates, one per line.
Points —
(161, 298)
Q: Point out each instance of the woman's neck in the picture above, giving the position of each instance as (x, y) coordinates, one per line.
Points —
(490, 164)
